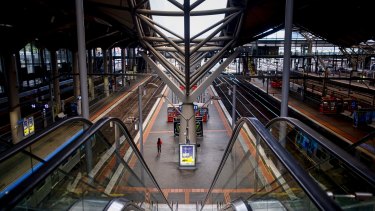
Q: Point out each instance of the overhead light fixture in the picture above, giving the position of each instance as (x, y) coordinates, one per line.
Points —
(6, 25)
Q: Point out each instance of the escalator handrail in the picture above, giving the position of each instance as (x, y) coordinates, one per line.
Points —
(311, 188)
(32, 139)
(356, 166)
(27, 185)
(361, 141)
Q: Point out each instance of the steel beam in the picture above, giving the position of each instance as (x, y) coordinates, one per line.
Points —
(166, 64)
(175, 89)
(208, 65)
(192, 13)
(202, 49)
(187, 45)
(166, 38)
(287, 53)
(200, 89)
(207, 39)
(225, 22)
(180, 61)
(196, 4)
(177, 4)
(196, 40)
(166, 29)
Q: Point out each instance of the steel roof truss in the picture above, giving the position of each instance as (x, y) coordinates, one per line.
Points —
(200, 89)
(172, 69)
(166, 38)
(180, 94)
(211, 62)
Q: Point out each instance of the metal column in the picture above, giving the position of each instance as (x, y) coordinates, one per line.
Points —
(105, 64)
(83, 74)
(90, 79)
(14, 102)
(234, 107)
(140, 119)
(76, 78)
(56, 84)
(287, 54)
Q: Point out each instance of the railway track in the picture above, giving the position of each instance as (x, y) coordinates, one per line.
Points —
(248, 102)
(128, 111)
(128, 108)
(259, 105)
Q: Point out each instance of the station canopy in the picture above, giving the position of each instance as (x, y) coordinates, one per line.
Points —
(52, 23)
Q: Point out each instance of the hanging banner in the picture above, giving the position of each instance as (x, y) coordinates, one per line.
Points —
(187, 155)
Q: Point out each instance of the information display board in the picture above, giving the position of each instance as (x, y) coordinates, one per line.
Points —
(187, 155)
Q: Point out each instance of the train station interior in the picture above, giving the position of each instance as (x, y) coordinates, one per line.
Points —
(187, 105)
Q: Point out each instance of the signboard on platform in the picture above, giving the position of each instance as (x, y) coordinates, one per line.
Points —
(187, 155)
(198, 126)
(31, 125)
(28, 126)
(25, 127)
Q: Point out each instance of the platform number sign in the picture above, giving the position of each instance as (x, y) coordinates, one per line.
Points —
(187, 155)
(195, 107)
(28, 126)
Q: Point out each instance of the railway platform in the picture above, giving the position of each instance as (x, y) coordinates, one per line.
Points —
(185, 186)
(339, 125)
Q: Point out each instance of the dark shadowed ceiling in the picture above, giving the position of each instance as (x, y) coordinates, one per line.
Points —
(52, 24)
(341, 22)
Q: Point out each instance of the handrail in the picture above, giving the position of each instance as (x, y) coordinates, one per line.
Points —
(312, 189)
(31, 140)
(27, 185)
(361, 141)
(357, 167)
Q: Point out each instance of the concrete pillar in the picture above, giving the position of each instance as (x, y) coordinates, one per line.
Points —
(187, 125)
(90, 77)
(76, 84)
(56, 84)
(105, 64)
(14, 102)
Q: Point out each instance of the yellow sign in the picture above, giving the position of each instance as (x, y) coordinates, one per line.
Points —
(31, 125)
(26, 129)
(187, 155)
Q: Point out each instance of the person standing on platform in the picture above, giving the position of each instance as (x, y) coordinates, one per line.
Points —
(159, 143)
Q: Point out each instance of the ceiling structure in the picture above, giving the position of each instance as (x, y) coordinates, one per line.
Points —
(52, 24)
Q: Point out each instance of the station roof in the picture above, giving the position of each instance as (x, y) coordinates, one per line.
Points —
(52, 24)
(340, 22)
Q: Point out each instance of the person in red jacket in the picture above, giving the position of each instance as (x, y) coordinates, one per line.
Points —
(159, 143)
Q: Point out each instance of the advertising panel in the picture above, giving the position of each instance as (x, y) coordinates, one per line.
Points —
(198, 126)
(187, 155)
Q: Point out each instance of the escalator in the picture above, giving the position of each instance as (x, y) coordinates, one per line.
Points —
(364, 150)
(350, 183)
(257, 173)
(101, 169)
(21, 160)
